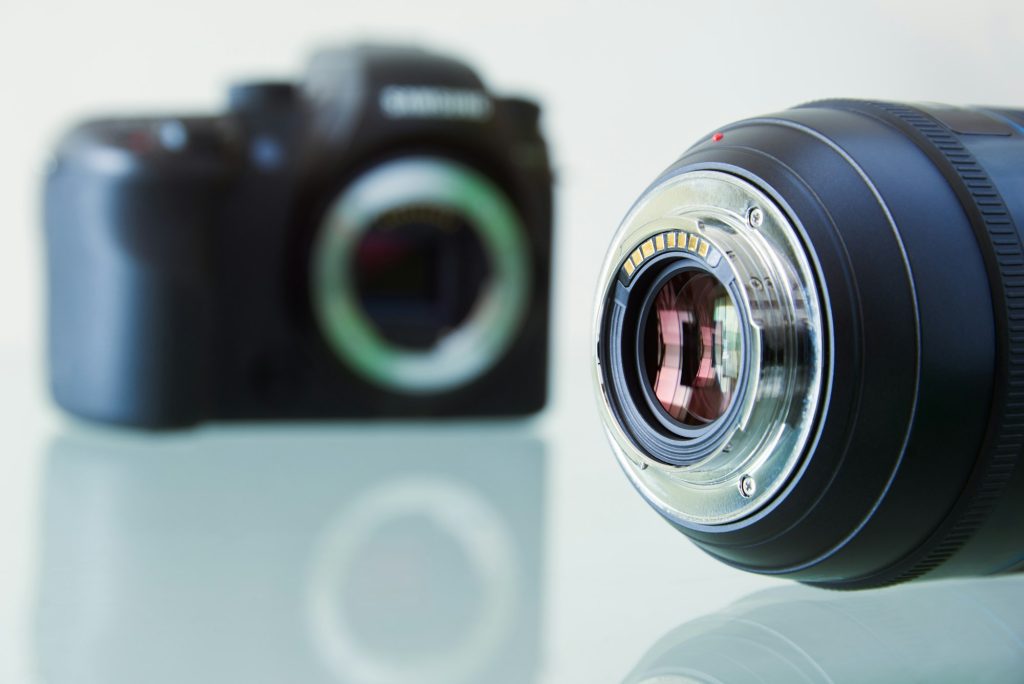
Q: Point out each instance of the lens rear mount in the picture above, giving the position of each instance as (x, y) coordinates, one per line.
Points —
(728, 459)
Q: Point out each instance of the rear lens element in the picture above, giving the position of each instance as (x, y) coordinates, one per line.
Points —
(693, 347)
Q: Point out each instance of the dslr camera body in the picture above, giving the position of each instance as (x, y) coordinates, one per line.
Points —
(374, 241)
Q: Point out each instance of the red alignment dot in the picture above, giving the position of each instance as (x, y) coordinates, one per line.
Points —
(717, 136)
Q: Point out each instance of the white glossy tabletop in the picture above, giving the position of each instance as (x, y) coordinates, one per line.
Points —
(461, 552)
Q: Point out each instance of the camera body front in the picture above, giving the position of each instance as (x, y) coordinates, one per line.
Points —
(374, 241)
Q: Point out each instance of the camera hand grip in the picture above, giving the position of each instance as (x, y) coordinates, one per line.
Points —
(129, 208)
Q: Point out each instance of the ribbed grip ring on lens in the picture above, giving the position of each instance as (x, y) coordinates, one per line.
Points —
(1004, 257)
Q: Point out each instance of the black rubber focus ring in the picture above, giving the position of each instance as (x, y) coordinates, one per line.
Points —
(1003, 254)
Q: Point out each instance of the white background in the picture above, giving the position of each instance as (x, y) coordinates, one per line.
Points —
(625, 89)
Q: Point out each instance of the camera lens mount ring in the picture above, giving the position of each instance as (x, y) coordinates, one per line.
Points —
(733, 466)
(466, 352)
(659, 434)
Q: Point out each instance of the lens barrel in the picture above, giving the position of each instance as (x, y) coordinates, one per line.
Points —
(873, 255)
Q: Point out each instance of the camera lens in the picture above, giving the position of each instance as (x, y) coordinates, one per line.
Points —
(420, 274)
(691, 348)
(809, 343)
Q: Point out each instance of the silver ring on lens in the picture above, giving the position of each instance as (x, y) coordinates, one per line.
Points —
(726, 227)
(472, 348)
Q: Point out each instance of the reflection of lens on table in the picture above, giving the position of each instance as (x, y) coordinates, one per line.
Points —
(959, 631)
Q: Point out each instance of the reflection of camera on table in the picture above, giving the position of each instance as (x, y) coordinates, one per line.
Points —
(311, 554)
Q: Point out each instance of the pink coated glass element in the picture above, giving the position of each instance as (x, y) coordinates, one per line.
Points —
(697, 340)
